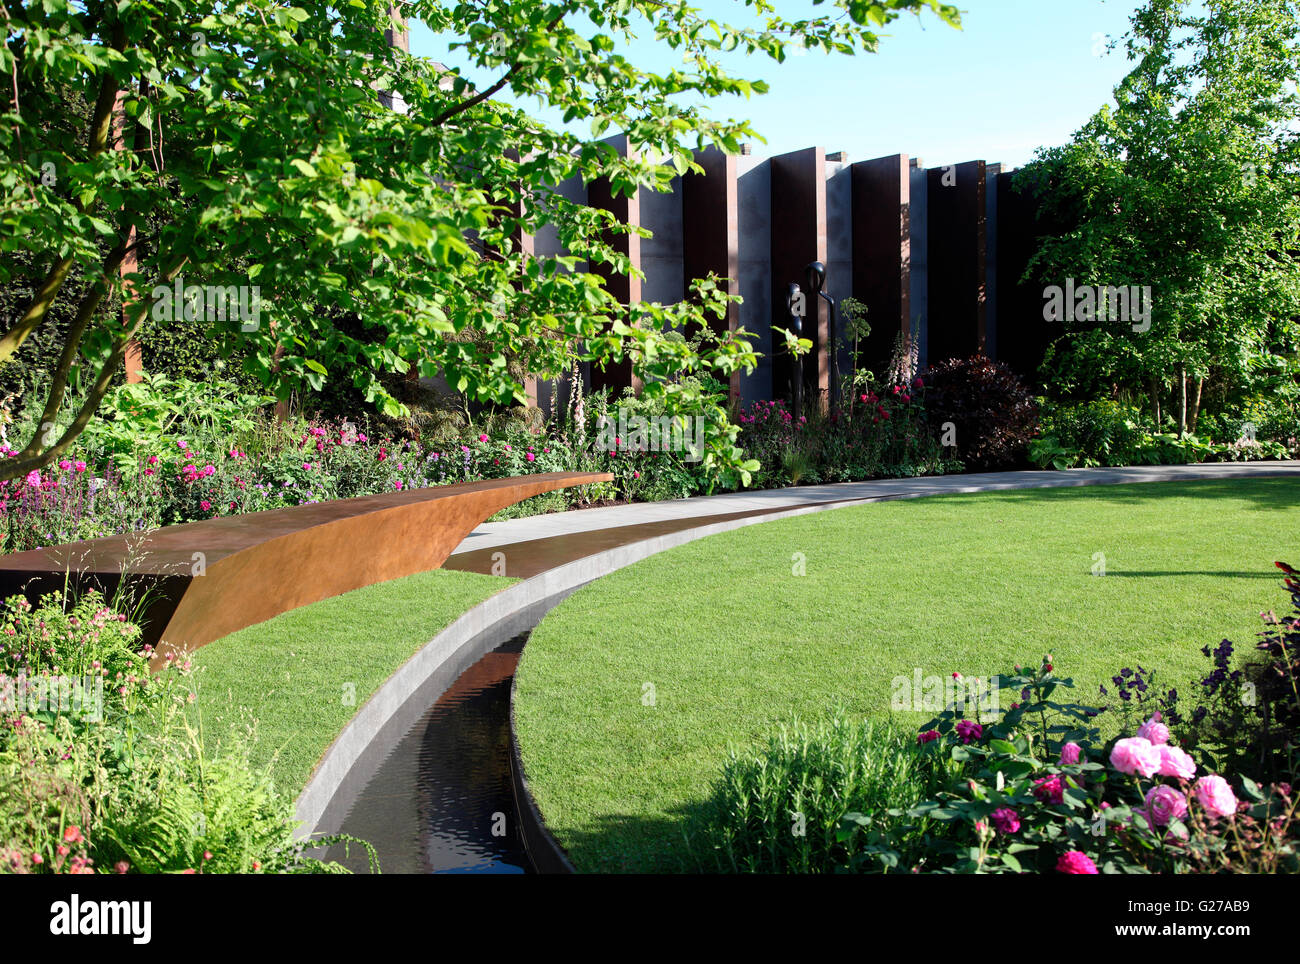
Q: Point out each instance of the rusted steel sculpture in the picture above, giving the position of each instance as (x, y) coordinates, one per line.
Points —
(204, 580)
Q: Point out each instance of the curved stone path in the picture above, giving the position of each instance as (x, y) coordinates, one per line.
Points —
(535, 544)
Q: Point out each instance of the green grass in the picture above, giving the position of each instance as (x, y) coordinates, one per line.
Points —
(304, 674)
(735, 644)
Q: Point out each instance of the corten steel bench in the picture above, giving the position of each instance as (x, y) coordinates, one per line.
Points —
(203, 580)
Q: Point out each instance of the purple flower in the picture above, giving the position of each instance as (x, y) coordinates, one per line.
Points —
(969, 730)
(1005, 820)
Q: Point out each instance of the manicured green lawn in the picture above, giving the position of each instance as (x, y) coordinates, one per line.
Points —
(304, 674)
(734, 643)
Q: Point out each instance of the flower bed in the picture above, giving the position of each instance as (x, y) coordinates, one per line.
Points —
(102, 767)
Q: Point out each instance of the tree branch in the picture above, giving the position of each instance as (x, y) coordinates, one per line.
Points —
(483, 95)
(44, 296)
(16, 468)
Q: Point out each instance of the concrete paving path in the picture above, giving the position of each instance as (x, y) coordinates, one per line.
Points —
(617, 525)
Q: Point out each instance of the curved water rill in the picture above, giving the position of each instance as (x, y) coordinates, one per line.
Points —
(442, 801)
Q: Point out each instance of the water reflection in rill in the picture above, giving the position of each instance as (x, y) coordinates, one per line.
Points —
(442, 801)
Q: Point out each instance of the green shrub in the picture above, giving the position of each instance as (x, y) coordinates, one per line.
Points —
(779, 810)
(1096, 433)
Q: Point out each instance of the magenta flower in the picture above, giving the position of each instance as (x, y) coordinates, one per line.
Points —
(79, 466)
(1070, 754)
(1215, 796)
(1005, 820)
(969, 730)
(928, 736)
(1075, 862)
(65, 465)
(1164, 803)
(1135, 754)
(34, 479)
(532, 457)
(482, 438)
(1049, 789)
(205, 505)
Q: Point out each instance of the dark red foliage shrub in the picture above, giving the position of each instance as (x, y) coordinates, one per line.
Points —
(995, 416)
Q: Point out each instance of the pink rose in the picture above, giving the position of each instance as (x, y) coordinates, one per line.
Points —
(1154, 730)
(1175, 763)
(969, 730)
(34, 479)
(1164, 803)
(1215, 796)
(1075, 862)
(1135, 754)
(482, 438)
(65, 465)
(1070, 754)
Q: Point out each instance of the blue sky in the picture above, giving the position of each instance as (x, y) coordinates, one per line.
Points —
(1020, 74)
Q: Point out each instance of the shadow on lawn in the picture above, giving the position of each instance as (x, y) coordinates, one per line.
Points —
(1220, 573)
(627, 844)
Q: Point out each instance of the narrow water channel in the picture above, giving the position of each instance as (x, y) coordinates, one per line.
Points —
(442, 801)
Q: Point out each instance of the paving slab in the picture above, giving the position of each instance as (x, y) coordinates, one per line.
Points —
(492, 535)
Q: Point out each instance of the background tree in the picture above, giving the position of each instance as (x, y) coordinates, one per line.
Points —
(1186, 184)
(258, 151)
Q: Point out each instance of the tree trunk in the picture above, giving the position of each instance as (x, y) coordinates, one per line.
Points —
(1196, 403)
(1155, 402)
(1182, 400)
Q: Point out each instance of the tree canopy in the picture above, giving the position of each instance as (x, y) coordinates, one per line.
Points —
(1186, 184)
(250, 143)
